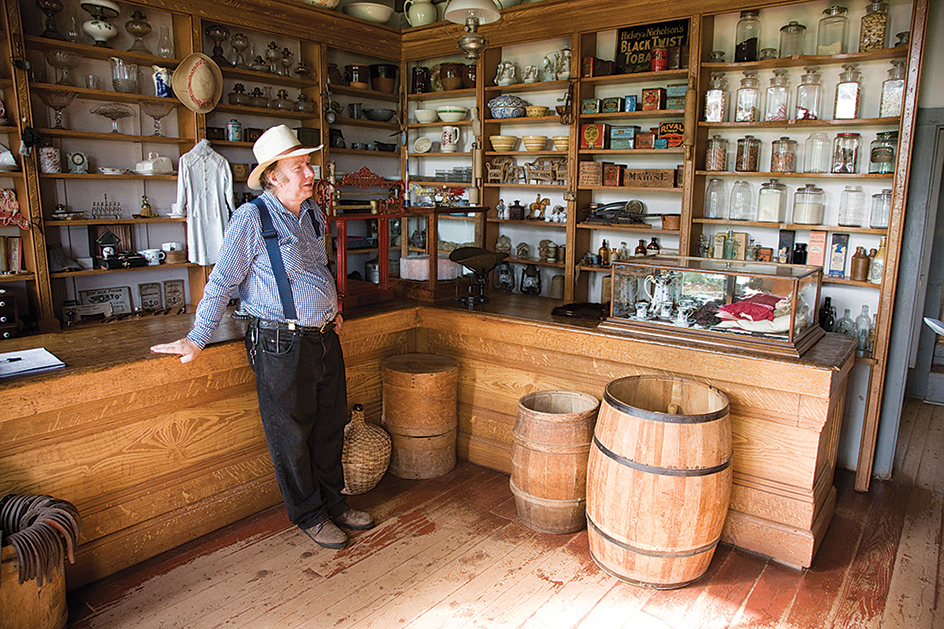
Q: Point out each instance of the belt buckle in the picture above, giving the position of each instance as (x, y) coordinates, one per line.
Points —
(290, 324)
(325, 326)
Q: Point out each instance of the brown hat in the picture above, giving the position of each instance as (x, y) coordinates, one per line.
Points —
(198, 83)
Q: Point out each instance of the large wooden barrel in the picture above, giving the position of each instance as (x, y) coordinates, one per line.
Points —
(420, 413)
(658, 479)
(26, 605)
(549, 449)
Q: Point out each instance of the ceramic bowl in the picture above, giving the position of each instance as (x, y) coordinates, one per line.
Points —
(535, 111)
(452, 113)
(508, 112)
(422, 145)
(561, 142)
(370, 11)
(379, 115)
(503, 143)
(534, 142)
(507, 106)
(426, 115)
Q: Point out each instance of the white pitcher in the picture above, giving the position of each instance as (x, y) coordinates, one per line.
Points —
(450, 139)
(419, 12)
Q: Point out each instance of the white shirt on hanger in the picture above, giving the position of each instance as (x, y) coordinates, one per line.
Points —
(205, 192)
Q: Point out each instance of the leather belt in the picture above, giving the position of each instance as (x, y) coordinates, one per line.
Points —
(266, 324)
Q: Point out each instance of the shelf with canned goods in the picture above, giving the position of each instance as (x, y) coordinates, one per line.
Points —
(669, 151)
(636, 77)
(627, 115)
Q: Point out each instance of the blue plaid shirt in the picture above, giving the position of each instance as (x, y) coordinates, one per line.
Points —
(244, 264)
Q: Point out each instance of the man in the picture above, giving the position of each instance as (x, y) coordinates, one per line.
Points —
(296, 356)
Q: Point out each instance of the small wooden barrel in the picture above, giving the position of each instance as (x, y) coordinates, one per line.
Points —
(658, 479)
(549, 449)
(420, 413)
(25, 605)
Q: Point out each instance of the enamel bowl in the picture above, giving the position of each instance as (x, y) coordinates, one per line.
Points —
(370, 11)
(452, 113)
(426, 115)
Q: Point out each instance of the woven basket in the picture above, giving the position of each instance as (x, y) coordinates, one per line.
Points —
(366, 454)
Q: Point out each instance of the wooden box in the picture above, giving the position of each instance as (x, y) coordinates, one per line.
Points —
(649, 177)
(590, 174)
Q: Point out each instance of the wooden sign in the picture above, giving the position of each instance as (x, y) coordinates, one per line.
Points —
(649, 177)
(634, 44)
(119, 297)
(150, 296)
(590, 174)
(173, 293)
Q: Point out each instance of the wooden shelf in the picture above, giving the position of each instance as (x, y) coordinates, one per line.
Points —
(449, 184)
(804, 124)
(115, 221)
(98, 52)
(537, 86)
(115, 137)
(526, 153)
(799, 61)
(363, 93)
(679, 150)
(365, 152)
(536, 186)
(267, 77)
(649, 229)
(101, 176)
(442, 95)
(264, 111)
(769, 175)
(106, 95)
(524, 120)
(797, 227)
(535, 262)
(529, 222)
(17, 277)
(363, 122)
(845, 281)
(634, 188)
(623, 115)
(638, 77)
(594, 269)
(442, 154)
(423, 125)
(182, 265)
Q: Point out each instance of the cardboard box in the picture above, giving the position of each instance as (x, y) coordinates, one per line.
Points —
(590, 174)
(672, 132)
(612, 174)
(653, 99)
(816, 252)
(593, 66)
(611, 105)
(765, 254)
(719, 245)
(649, 177)
(594, 136)
(740, 245)
(837, 255)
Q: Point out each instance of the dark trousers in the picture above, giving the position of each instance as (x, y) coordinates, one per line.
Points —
(303, 402)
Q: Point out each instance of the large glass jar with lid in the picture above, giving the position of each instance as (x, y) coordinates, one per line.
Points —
(852, 212)
(846, 152)
(792, 39)
(882, 152)
(809, 94)
(748, 154)
(873, 27)
(881, 209)
(893, 90)
(817, 154)
(778, 96)
(716, 200)
(808, 205)
(783, 153)
(747, 37)
(848, 93)
(747, 103)
(741, 207)
(716, 155)
(716, 98)
(831, 34)
(772, 202)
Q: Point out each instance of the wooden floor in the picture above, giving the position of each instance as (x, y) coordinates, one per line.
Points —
(449, 552)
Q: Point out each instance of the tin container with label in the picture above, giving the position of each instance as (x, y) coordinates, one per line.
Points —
(234, 131)
(659, 60)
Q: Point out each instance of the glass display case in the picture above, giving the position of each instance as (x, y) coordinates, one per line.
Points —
(757, 306)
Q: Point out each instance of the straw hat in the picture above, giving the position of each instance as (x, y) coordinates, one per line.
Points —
(276, 143)
(198, 83)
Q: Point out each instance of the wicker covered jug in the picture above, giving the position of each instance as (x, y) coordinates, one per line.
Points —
(366, 454)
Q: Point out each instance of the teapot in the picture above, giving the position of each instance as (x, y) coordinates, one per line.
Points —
(155, 164)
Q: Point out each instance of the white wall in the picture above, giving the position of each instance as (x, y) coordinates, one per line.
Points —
(931, 92)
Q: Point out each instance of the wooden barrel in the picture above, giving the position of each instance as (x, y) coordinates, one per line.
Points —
(25, 604)
(420, 413)
(658, 479)
(549, 449)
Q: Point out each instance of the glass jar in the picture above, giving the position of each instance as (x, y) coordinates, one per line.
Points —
(742, 202)
(716, 98)
(809, 94)
(817, 154)
(747, 106)
(772, 202)
(903, 38)
(792, 39)
(831, 34)
(783, 156)
(881, 209)
(847, 93)
(766, 54)
(747, 37)
(748, 153)
(716, 200)
(893, 90)
(873, 27)
(882, 152)
(852, 207)
(808, 205)
(846, 152)
(716, 155)
(778, 96)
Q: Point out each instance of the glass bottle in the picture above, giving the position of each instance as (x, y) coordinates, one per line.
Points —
(748, 153)
(847, 93)
(783, 155)
(729, 246)
(817, 155)
(809, 95)
(747, 107)
(604, 253)
(862, 324)
(893, 90)
(164, 46)
(799, 253)
(831, 321)
(778, 96)
(846, 325)
(640, 248)
(808, 205)
(881, 209)
(873, 27)
(653, 248)
(704, 247)
(824, 312)
(877, 270)
(716, 154)
(747, 37)
(742, 202)
(859, 268)
(846, 153)
(716, 98)
(882, 152)
(872, 332)
(852, 207)
(792, 39)
(831, 34)
(772, 202)
(716, 204)
(73, 27)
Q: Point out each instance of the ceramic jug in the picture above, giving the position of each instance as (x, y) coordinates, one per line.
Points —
(450, 139)
(419, 12)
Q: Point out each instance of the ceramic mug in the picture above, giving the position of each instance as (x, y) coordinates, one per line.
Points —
(153, 256)
(450, 139)
(172, 246)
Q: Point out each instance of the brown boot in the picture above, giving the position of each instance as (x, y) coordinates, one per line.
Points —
(326, 534)
(354, 519)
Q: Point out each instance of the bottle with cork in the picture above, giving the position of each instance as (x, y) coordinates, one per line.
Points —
(604, 253)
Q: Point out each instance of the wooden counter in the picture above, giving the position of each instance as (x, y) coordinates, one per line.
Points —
(155, 453)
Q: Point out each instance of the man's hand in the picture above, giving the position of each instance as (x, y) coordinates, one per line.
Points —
(185, 348)
(338, 320)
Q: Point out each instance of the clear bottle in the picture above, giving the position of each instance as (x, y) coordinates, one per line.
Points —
(852, 207)
(893, 90)
(863, 323)
(873, 27)
(792, 39)
(716, 202)
(748, 154)
(881, 209)
(816, 154)
(165, 48)
(747, 37)
(704, 247)
(716, 154)
(846, 325)
(772, 202)
(809, 95)
(882, 152)
(848, 93)
(716, 98)
(783, 155)
(778, 96)
(742, 202)
(846, 152)
(877, 270)
(729, 246)
(747, 106)
(808, 205)
(831, 34)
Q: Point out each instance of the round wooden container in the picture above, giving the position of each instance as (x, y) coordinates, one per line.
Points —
(658, 479)
(419, 412)
(25, 605)
(549, 449)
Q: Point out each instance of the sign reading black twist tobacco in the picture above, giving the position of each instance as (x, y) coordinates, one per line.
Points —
(634, 44)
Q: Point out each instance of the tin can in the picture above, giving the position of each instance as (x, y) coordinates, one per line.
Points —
(234, 131)
(659, 60)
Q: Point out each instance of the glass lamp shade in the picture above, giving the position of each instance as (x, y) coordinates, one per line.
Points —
(459, 10)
